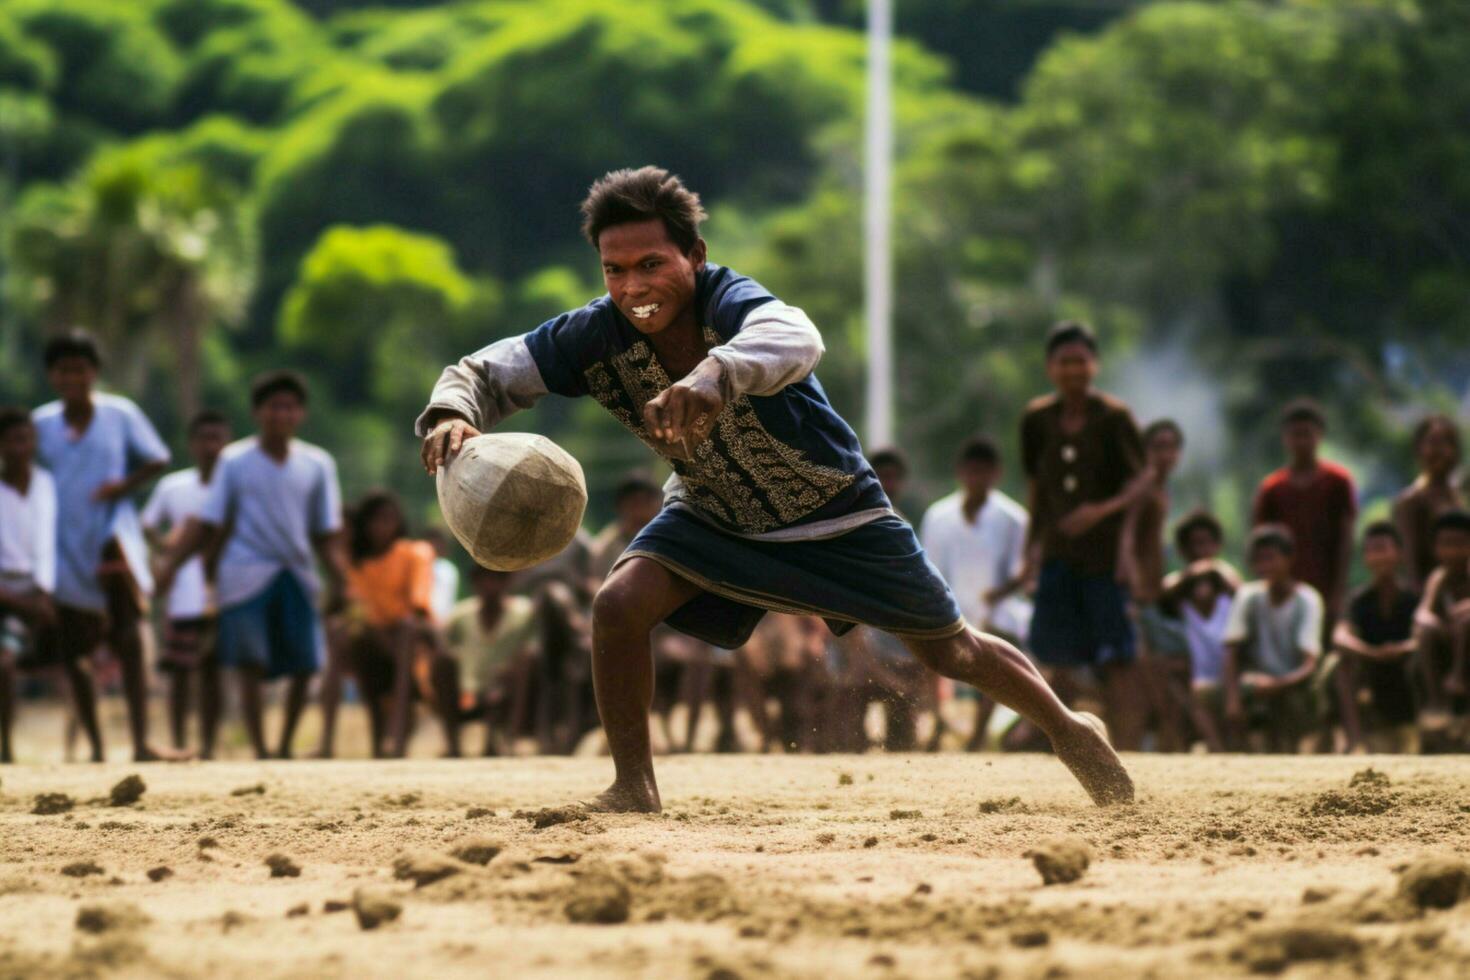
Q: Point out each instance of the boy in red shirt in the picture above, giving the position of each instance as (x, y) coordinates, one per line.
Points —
(1317, 502)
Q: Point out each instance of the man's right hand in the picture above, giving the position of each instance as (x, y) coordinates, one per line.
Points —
(444, 440)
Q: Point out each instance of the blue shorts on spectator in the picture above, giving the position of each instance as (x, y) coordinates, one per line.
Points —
(1081, 619)
(277, 631)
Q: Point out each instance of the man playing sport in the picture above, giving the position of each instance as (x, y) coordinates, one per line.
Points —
(772, 506)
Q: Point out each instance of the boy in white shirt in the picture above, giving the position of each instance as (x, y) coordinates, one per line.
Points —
(1272, 645)
(27, 560)
(187, 642)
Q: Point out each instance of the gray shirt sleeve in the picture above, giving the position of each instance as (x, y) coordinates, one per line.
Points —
(487, 386)
(777, 345)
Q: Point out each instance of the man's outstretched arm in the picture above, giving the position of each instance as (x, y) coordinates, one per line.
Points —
(473, 395)
(776, 346)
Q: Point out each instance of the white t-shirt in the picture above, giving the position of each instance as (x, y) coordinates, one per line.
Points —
(178, 497)
(975, 558)
(1277, 638)
(28, 531)
(275, 510)
(446, 589)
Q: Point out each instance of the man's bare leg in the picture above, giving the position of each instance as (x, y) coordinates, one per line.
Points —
(7, 704)
(637, 596)
(250, 709)
(1345, 685)
(296, 687)
(330, 693)
(210, 697)
(178, 706)
(444, 674)
(84, 704)
(1002, 672)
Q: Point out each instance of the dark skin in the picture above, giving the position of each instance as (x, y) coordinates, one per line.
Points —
(1302, 440)
(74, 379)
(277, 419)
(1383, 558)
(17, 450)
(647, 272)
(1438, 454)
(1443, 620)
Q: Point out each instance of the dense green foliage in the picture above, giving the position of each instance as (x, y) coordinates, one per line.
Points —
(1249, 199)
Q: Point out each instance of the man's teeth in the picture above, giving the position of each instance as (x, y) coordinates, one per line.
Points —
(644, 312)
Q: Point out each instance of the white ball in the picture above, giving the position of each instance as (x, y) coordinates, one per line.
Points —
(513, 499)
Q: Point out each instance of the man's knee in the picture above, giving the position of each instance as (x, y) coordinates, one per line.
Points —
(630, 603)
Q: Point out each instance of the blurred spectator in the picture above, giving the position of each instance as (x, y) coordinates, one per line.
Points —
(1201, 593)
(1433, 492)
(1443, 620)
(1316, 501)
(1374, 643)
(637, 500)
(188, 635)
(891, 465)
(483, 672)
(1273, 643)
(446, 575)
(1165, 649)
(976, 537)
(1082, 453)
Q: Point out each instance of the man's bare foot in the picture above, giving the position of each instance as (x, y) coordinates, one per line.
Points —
(1088, 754)
(629, 797)
(149, 753)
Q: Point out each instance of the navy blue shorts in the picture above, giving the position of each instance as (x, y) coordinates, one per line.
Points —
(1081, 620)
(278, 631)
(874, 575)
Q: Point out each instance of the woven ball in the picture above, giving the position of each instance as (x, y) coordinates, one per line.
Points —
(513, 499)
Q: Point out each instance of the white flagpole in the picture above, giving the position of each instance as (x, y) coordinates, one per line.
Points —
(877, 217)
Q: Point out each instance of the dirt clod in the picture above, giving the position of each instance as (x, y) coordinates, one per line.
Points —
(1030, 938)
(127, 791)
(258, 789)
(553, 816)
(282, 866)
(1370, 778)
(598, 898)
(50, 804)
(905, 814)
(1273, 950)
(1061, 859)
(424, 869)
(1436, 882)
(110, 917)
(160, 873)
(477, 850)
(82, 869)
(478, 813)
(298, 910)
(335, 905)
(374, 908)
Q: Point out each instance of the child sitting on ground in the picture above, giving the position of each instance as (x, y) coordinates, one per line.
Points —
(1202, 593)
(1373, 646)
(1442, 622)
(1272, 644)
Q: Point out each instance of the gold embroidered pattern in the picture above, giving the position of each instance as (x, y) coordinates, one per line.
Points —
(741, 475)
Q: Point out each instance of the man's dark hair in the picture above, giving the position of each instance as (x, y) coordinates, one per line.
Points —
(76, 342)
(1452, 520)
(1304, 410)
(634, 483)
(1430, 422)
(207, 417)
(12, 416)
(1384, 529)
(275, 382)
(1070, 332)
(1196, 521)
(1163, 425)
(890, 456)
(979, 449)
(624, 196)
(1276, 536)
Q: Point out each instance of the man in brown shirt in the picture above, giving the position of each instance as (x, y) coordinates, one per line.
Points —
(1433, 492)
(1082, 452)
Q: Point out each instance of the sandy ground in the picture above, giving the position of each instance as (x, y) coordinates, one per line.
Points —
(880, 866)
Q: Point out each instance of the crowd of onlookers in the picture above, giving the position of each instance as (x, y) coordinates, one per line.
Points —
(260, 574)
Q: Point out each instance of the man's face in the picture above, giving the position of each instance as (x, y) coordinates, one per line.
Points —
(649, 279)
(1163, 451)
(1271, 564)
(1452, 547)
(491, 586)
(280, 415)
(1301, 439)
(1072, 368)
(1200, 544)
(18, 444)
(1437, 451)
(977, 477)
(206, 442)
(384, 526)
(1381, 555)
(636, 509)
(72, 378)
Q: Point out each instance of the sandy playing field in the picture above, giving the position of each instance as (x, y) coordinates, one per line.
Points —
(760, 866)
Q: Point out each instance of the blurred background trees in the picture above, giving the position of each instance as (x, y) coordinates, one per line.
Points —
(1249, 199)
